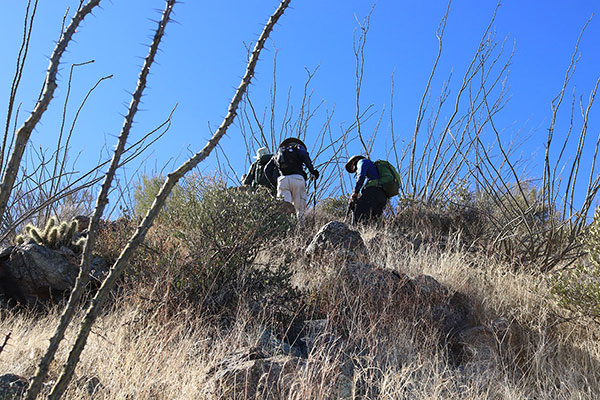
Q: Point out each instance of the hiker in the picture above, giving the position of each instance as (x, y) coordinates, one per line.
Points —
(368, 198)
(289, 162)
(256, 175)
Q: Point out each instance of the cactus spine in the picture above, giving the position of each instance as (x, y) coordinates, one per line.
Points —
(53, 236)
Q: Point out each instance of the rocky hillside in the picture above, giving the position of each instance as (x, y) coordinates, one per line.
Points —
(342, 313)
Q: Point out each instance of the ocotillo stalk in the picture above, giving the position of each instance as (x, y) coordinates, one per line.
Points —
(172, 179)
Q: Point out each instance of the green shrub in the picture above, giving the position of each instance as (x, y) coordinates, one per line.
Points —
(206, 241)
(577, 289)
(336, 207)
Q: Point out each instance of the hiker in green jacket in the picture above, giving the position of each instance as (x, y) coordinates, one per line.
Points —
(368, 198)
(256, 175)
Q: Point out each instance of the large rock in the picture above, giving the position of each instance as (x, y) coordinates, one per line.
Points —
(336, 241)
(383, 290)
(384, 294)
(251, 373)
(12, 386)
(30, 273)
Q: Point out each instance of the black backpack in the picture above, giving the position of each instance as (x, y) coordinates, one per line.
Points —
(260, 177)
(287, 159)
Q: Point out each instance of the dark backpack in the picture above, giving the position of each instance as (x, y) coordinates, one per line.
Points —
(389, 179)
(260, 178)
(287, 159)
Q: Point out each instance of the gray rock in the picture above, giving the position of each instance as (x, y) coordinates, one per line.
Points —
(31, 273)
(12, 386)
(384, 292)
(491, 346)
(83, 222)
(453, 312)
(90, 384)
(317, 333)
(336, 240)
(250, 373)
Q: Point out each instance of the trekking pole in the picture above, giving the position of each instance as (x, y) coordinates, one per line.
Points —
(315, 193)
(349, 210)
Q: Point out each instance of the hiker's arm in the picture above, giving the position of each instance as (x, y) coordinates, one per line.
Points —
(250, 175)
(306, 160)
(361, 175)
(271, 172)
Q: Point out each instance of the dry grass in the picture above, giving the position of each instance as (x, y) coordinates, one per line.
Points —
(140, 349)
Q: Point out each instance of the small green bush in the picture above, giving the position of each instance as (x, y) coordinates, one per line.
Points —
(336, 207)
(206, 241)
(577, 289)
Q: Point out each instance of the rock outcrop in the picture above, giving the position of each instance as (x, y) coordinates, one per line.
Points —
(12, 386)
(336, 240)
(32, 274)
(251, 373)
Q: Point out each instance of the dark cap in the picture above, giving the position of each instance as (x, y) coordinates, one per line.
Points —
(351, 164)
(291, 141)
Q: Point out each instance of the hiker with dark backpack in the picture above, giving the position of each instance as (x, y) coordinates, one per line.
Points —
(376, 182)
(289, 162)
(256, 175)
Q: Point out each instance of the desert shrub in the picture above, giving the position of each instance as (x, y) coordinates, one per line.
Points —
(146, 190)
(112, 237)
(435, 222)
(524, 229)
(335, 207)
(513, 224)
(206, 241)
(577, 289)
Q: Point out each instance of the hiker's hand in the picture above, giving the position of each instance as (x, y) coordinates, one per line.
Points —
(315, 174)
(353, 198)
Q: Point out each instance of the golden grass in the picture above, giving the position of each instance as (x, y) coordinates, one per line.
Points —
(140, 351)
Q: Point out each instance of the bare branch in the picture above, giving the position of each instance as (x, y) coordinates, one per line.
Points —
(50, 85)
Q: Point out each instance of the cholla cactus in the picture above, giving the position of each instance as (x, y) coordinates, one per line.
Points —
(54, 236)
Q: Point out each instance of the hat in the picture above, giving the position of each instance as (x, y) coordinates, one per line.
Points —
(292, 141)
(351, 164)
(263, 151)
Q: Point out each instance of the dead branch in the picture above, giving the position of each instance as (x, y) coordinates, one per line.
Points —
(6, 338)
(101, 202)
(18, 74)
(24, 132)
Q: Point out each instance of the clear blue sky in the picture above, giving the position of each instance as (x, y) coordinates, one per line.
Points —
(204, 55)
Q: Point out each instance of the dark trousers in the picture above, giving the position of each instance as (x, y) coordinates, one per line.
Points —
(370, 204)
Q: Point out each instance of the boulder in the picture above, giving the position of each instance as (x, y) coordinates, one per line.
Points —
(30, 273)
(250, 373)
(12, 386)
(385, 294)
(452, 311)
(491, 346)
(397, 295)
(336, 241)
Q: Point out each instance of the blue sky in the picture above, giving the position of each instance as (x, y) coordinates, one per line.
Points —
(204, 55)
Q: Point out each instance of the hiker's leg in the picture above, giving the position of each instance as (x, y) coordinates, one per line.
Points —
(378, 203)
(362, 209)
(283, 189)
(370, 204)
(298, 193)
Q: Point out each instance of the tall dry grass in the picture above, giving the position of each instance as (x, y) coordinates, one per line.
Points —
(144, 350)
